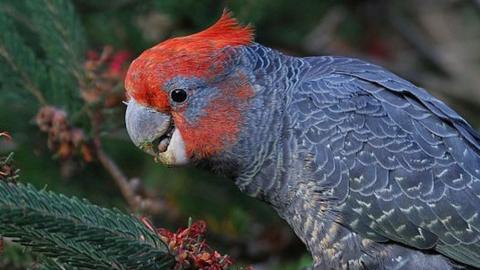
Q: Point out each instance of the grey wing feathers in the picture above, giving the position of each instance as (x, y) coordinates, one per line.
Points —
(413, 162)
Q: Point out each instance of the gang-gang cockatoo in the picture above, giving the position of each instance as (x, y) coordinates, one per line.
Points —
(370, 171)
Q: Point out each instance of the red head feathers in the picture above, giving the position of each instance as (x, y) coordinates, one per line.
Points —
(202, 56)
(226, 32)
(195, 55)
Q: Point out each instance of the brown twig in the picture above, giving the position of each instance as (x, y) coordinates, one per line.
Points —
(120, 179)
(136, 201)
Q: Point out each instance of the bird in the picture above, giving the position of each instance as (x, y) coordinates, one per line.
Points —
(369, 170)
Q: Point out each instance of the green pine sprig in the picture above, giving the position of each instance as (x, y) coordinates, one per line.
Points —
(20, 69)
(61, 37)
(42, 48)
(77, 233)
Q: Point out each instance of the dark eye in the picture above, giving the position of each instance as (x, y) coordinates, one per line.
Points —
(178, 95)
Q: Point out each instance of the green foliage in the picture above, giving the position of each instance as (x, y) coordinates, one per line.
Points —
(19, 67)
(41, 50)
(61, 37)
(77, 233)
(14, 257)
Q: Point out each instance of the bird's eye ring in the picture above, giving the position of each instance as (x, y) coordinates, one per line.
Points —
(178, 95)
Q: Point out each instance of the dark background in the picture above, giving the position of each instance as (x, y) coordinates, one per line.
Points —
(434, 43)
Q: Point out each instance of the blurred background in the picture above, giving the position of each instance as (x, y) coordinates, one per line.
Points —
(61, 89)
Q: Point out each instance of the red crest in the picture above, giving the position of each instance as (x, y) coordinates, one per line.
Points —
(195, 55)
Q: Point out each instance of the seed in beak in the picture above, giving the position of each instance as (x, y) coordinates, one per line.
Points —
(163, 145)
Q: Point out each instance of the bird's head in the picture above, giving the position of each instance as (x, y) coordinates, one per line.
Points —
(186, 95)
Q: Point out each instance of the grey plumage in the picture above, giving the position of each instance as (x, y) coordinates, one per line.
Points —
(370, 171)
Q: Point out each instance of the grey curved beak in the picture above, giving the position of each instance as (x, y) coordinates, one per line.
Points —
(145, 126)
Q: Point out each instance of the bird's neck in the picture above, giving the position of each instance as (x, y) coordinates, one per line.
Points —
(264, 163)
(267, 166)
(256, 161)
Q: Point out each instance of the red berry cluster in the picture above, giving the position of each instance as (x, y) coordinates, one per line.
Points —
(189, 247)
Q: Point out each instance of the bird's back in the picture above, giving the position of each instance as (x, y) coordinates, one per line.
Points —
(395, 163)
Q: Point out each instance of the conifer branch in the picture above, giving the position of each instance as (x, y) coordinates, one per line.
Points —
(20, 58)
(62, 40)
(27, 83)
(59, 16)
(77, 233)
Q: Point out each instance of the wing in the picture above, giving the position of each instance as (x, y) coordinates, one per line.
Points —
(412, 162)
